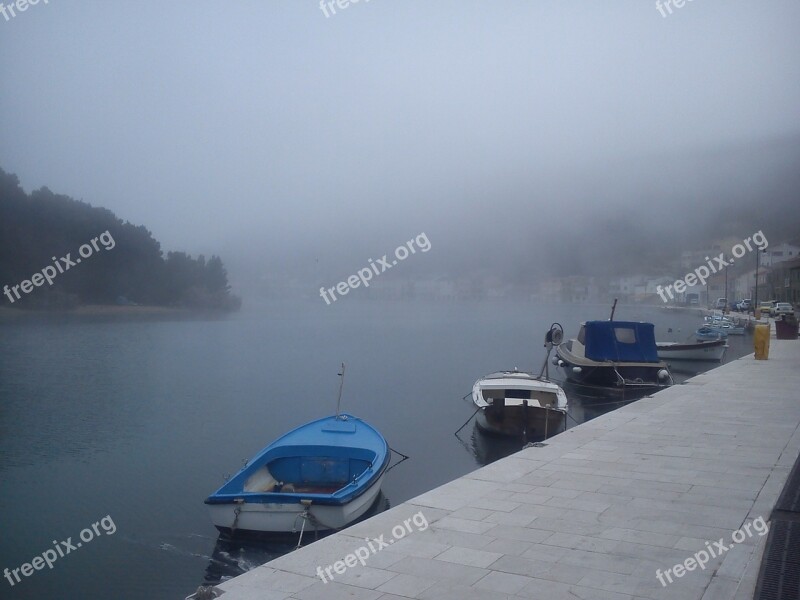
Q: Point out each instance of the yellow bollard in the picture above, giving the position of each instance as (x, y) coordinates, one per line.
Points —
(761, 341)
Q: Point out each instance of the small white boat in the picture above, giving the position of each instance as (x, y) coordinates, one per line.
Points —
(515, 403)
(712, 350)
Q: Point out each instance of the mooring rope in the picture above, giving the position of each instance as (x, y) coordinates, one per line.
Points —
(402, 460)
(302, 515)
(236, 511)
(467, 421)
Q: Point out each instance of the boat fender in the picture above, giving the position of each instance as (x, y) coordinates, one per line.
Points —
(576, 370)
(663, 374)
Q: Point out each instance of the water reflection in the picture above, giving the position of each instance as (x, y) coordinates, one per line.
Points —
(487, 448)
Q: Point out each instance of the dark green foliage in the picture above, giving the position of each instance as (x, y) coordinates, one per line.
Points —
(36, 227)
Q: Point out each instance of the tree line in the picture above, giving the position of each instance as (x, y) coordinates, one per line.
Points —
(37, 229)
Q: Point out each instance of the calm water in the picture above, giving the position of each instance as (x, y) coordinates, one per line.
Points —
(140, 420)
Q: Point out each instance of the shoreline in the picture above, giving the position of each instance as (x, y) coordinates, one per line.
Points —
(111, 311)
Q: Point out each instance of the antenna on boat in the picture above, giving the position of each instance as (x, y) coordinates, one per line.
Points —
(341, 385)
(613, 308)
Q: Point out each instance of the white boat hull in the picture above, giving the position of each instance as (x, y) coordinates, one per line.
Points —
(711, 353)
(287, 518)
(517, 420)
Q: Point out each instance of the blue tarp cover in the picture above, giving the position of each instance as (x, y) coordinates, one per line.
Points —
(620, 341)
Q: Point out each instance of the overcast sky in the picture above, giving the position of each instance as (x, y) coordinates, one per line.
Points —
(263, 127)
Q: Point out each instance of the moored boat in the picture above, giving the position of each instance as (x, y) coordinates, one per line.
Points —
(514, 403)
(619, 355)
(712, 350)
(718, 321)
(322, 475)
(710, 333)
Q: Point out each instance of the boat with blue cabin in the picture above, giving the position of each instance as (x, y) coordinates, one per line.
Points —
(618, 355)
(322, 475)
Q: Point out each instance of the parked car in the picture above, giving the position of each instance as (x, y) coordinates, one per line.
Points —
(745, 305)
(783, 308)
(721, 303)
(766, 308)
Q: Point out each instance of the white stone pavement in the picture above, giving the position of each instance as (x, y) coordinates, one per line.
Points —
(593, 514)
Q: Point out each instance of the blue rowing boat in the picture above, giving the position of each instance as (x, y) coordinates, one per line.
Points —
(323, 475)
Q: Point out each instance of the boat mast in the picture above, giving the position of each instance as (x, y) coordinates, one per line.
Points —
(613, 308)
(341, 385)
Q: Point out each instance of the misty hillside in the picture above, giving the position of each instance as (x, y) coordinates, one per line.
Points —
(44, 237)
(616, 218)
(689, 203)
(605, 218)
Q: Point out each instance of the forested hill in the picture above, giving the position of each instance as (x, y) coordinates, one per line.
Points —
(123, 265)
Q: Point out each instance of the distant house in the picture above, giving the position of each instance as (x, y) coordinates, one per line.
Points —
(780, 253)
(763, 290)
(691, 259)
(549, 290)
(743, 286)
(784, 281)
(628, 288)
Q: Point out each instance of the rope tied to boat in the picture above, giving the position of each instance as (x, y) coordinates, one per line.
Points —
(236, 512)
(467, 421)
(307, 515)
(303, 515)
(403, 459)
